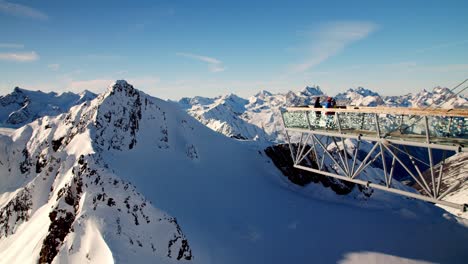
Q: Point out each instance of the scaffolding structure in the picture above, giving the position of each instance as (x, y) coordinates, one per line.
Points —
(391, 131)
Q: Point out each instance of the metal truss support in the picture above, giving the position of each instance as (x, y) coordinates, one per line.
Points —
(347, 167)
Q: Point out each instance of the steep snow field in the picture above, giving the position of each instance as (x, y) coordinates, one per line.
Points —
(457, 174)
(133, 179)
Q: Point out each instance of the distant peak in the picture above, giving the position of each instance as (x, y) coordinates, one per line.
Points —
(263, 93)
(87, 94)
(233, 97)
(363, 91)
(312, 90)
(441, 90)
(18, 90)
(122, 86)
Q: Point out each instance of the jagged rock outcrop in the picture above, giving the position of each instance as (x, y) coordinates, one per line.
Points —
(281, 157)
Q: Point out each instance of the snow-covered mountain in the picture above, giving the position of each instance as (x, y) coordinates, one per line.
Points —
(262, 112)
(223, 114)
(439, 97)
(255, 118)
(359, 97)
(23, 106)
(133, 179)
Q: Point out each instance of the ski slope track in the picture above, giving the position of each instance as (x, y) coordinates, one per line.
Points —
(129, 178)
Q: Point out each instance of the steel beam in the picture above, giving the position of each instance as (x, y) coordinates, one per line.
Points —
(461, 207)
(393, 141)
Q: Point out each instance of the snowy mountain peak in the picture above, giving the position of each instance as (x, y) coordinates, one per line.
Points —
(442, 90)
(23, 106)
(17, 90)
(63, 186)
(234, 98)
(121, 86)
(311, 91)
(439, 97)
(363, 91)
(233, 102)
(360, 97)
(262, 94)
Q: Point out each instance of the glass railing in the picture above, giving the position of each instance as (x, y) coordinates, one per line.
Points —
(386, 125)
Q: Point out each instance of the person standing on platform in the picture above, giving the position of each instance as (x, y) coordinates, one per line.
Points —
(318, 114)
(329, 104)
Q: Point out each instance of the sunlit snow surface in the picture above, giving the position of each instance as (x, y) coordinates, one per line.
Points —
(230, 201)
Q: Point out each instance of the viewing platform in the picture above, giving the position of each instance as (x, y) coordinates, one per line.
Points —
(390, 130)
(447, 128)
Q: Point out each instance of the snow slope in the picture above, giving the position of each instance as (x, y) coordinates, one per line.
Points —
(456, 173)
(131, 178)
(223, 114)
(23, 106)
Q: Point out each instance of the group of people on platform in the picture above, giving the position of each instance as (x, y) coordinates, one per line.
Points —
(330, 103)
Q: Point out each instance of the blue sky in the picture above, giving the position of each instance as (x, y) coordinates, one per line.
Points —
(172, 49)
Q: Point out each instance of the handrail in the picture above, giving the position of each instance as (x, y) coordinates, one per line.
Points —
(387, 110)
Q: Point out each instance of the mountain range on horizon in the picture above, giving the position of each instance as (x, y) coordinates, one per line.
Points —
(257, 117)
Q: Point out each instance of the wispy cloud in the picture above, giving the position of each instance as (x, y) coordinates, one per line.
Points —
(54, 66)
(21, 10)
(330, 39)
(11, 46)
(215, 65)
(19, 56)
(443, 46)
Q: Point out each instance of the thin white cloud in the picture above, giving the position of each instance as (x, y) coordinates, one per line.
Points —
(54, 66)
(330, 39)
(19, 56)
(215, 65)
(11, 46)
(21, 10)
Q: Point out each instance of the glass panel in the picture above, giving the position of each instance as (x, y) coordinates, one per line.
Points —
(403, 127)
(357, 121)
(389, 123)
(295, 119)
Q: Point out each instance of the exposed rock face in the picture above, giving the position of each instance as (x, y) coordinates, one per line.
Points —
(281, 157)
(119, 112)
(15, 212)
